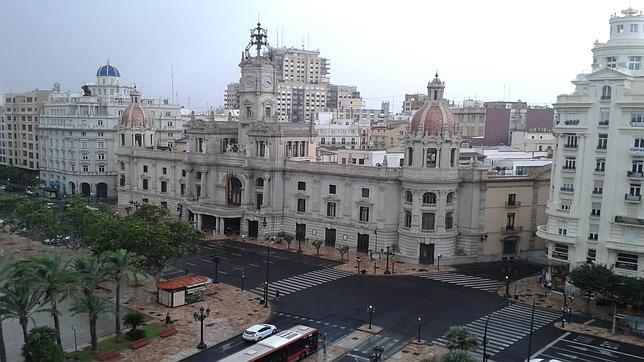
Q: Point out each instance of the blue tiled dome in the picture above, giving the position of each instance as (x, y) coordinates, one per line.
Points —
(108, 71)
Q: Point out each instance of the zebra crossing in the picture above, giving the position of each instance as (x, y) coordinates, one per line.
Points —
(506, 326)
(302, 281)
(488, 285)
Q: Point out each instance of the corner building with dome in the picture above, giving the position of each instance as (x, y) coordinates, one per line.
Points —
(260, 176)
(77, 133)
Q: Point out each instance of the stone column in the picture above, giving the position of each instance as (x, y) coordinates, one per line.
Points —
(198, 216)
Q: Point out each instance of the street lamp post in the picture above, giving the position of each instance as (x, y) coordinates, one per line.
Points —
(531, 328)
(438, 266)
(485, 339)
(268, 254)
(243, 276)
(358, 260)
(371, 309)
(507, 286)
(387, 267)
(419, 329)
(216, 260)
(200, 317)
(299, 245)
(572, 299)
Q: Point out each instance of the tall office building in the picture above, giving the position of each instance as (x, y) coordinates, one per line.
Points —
(19, 129)
(595, 212)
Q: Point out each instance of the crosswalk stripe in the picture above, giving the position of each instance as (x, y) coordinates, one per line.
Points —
(469, 281)
(300, 282)
(506, 326)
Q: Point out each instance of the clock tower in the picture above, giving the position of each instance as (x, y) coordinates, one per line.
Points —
(258, 101)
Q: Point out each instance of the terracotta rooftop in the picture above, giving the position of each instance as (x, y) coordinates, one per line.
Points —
(182, 282)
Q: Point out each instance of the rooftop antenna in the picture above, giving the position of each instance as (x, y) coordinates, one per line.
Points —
(277, 32)
(302, 42)
(308, 40)
(282, 35)
(172, 82)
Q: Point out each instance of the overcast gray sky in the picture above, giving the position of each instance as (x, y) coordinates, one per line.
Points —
(486, 50)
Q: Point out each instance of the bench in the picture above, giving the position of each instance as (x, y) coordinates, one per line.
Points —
(107, 356)
(168, 332)
(140, 343)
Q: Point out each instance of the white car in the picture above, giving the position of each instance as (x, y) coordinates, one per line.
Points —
(258, 332)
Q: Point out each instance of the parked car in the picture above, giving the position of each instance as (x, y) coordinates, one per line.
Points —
(258, 332)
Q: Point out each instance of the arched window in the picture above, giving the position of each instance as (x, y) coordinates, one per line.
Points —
(322, 141)
(410, 156)
(233, 191)
(333, 140)
(429, 198)
(429, 221)
(408, 196)
(606, 92)
(259, 182)
(449, 221)
(343, 140)
(450, 198)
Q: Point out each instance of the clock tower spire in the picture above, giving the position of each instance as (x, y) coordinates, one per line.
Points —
(258, 101)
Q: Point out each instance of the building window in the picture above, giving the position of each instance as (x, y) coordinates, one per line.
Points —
(365, 192)
(449, 221)
(620, 28)
(633, 28)
(606, 92)
(145, 183)
(101, 168)
(512, 199)
(591, 255)
(450, 198)
(634, 62)
(259, 200)
(626, 261)
(183, 173)
(570, 163)
(364, 213)
(332, 140)
(332, 189)
(122, 166)
(164, 171)
(145, 168)
(183, 189)
(429, 198)
(407, 218)
(164, 186)
(301, 205)
(600, 165)
(122, 180)
(85, 168)
(301, 186)
(410, 156)
(635, 189)
(322, 140)
(560, 252)
(430, 160)
(259, 183)
(509, 246)
(330, 209)
(596, 209)
(603, 142)
(428, 221)
(509, 221)
(408, 196)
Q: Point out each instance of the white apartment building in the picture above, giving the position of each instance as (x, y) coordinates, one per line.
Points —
(19, 129)
(595, 211)
(77, 134)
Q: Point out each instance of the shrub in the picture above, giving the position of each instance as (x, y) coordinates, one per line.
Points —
(133, 320)
(135, 334)
(461, 338)
(457, 355)
(41, 346)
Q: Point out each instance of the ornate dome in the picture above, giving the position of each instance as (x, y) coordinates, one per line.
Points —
(434, 117)
(134, 115)
(108, 71)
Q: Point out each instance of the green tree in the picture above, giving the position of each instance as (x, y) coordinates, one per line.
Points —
(343, 249)
(41, 346)
(93, 306)
(20, 300)
(457, 355)
(317, 244)
(50, 276)
(6, 269)
(461, 338)
(630, 291)
(121, 265)
(134, 320)
(594, 278)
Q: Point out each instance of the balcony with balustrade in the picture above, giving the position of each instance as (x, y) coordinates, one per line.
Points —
(634, 199)
(635, 175)
(637, 151)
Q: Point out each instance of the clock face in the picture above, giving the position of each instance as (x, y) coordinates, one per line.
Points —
(249, 80)
(268, 81)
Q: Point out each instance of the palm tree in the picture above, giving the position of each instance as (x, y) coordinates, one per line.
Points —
(93, 306)
(121, 265)
(55, 281)
(461, 338)
(6, 267)
(20, 300)
(90, 273)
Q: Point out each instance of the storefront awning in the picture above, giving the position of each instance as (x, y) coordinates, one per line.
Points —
(183, 282)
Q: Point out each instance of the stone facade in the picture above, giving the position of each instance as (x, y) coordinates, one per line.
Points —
(259, 177)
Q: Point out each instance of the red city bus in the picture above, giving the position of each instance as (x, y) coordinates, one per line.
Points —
(293, 344)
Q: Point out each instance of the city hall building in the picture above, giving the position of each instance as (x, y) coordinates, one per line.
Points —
(260, 175)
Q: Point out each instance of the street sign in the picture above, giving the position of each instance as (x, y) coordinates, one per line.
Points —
(375, 256)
